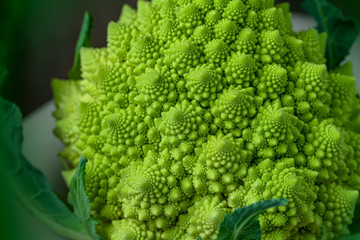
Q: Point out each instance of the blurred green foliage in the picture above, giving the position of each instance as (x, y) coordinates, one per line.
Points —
(8, 223)
(349, 7)
(37, 43)
(12, 28)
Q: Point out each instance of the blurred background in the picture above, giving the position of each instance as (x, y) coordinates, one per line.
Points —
(37, 42)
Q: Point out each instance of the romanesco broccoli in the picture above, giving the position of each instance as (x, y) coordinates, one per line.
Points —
(198, 107)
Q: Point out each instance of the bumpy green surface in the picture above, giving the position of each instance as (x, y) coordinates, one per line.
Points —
(198, 107)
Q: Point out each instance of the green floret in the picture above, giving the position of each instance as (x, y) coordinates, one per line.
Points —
(252, 20)
(325, 151)
(295, 50)
(198, 107)
(189, 17)
(246, 41)
(271, 47)
(216, 51)
(154, 88)
(109, 81)
(339, 210)
(212, 18)
(204, 5)
(92, 61)
(240, 69)
(269, 19)
(144, 50)
(183, 124)
(219, 167)
(234, 109)
(183, 55)
(147, 17)
(284, 179)
(235, 11)
(344, 103)
(310, 95)
(226, 30)
(253, 4)
(203, 83)
(168, 9)
(128, 229)
(119, 38)
(167, 31)
(277, 132)
(206, 215)
(88, 119)
(179, 120)
(202, 35)
(272, 82)
(314, 45)
(220, 5)
(67, 100)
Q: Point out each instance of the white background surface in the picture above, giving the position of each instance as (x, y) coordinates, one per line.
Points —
(41, 146)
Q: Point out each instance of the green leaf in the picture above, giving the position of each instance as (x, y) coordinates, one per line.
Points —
(84, 40)
(28, 184)
(3, 73)
(79, 199)
(325, 235)
(350, 237)
(243, 223)
(355, 226)
(341, 31)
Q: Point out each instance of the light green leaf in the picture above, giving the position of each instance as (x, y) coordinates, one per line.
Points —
(84, 40)
(79, 199)
(243, 223)
(341, 31)
(28, 184)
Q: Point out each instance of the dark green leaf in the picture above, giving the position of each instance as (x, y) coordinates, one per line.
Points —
(355, 226)
(341, 31)
(243, 223)
(199, 238)
(79, 199)
(3, 73)
(84, 40)
(28, 184)
(350, 237)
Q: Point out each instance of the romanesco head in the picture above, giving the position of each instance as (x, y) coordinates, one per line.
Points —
(198, 107)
